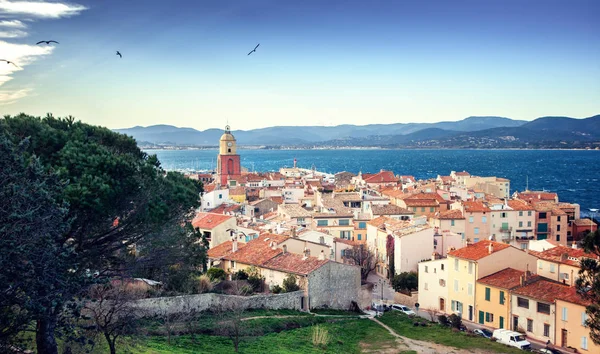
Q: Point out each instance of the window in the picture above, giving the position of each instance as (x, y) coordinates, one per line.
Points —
(521, 302)
(451, 222)
(565, 314)
(557, 237)
(542, 215)
(470, 289)
(471, 219)
(321, 222)
(520, 224)
(584, 319)
(488, 294)
(558, 218)
(232, 263)
(529, 325)
(422, 209)
(501, 297)
(455, 285)
(584, 343)
(220, 196)
(489, 317)
(470, 267)
(456, 265)
(546, 330)
(529, 213)
(552, 268)
(540, 265)
(414, 209)
(359, 236)
(431, 209)
(520, 213)
(543, 308)
(442, 283)
(476, 231)
(345, 235)
(503, 215)
(362, 225)
(442, 267)
(557, 227)
(484, 219)
(344, 222)
(529, 224)
(426, 269)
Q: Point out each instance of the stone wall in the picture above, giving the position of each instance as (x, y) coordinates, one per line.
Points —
(334, 285)
(210, 301)
(365, 296)
(406, 300)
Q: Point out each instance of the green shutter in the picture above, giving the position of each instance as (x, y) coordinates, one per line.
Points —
(501, 322)
(501, 298)
(487, 294)
(481, 317)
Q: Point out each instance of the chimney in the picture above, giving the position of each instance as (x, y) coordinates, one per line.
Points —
(234, 246)
(491, 248)
(273, 245)
(305, 254)
(574, 245)
(563, 257)
(294, 231)
(522, 280)
(284, 247)
(322, 256)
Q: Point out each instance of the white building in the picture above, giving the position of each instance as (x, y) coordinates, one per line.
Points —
(433, 289)
(213, 198)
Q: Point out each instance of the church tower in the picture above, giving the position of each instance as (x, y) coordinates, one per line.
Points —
(228, 161)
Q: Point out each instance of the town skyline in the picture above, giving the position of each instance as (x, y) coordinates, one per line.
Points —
(317, 64)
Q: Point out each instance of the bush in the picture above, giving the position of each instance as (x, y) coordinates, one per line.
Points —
(203, 284)
(240, 275)
(216, 274)
(405, 281)
(246, 290)
(289, 284)
(255, 282)
(276, 289)
(443, 320)
(320, 336)
(455, 321)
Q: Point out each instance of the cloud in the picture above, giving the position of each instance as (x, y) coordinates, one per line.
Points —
(20, 54)
(13, 24)
(13, 34)
(40, 9)
(9, 97)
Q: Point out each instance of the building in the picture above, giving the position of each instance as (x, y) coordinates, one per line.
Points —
(477, 260)
(477, 223)
(262, 206)
(433, 284)
(449, 221)
(228, 161)
(570, 326)
(213, 197)
(215, 227)
(561, 263)
(551, 222)
(581, 227)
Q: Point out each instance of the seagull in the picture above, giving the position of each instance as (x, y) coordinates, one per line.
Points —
(119, 54)
(10, 62)
(47, 42)
(254, 50)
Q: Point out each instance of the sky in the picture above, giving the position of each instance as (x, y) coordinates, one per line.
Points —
(321, 63)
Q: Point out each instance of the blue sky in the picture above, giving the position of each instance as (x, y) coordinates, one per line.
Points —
(185, 63)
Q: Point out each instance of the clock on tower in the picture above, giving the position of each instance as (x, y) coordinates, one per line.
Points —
(228, 161)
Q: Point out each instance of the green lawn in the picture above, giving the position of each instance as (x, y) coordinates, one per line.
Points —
(403, 325)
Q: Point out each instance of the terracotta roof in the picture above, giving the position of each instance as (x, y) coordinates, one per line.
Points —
(209, 220)
(463, 173)
(389, 209)
(270, 215)
(584, 222)
(507, 278)
(379, 221)
(478, 250)
(426, 196)
(519, 205)
(421, 203)
(209, 188)
(237, 191)
(394, 193)
(223, 250)
(295, 211)
(565, 255)
(277, 199)
(348, 196)
(530, 196)
(447, 179)
(573, 296)
(293, 263)
(474, 207)
(542, 289)
(332, 215)
(347, 242)
(381, 177)
(226, 208)
(258, 250)
(450, 214)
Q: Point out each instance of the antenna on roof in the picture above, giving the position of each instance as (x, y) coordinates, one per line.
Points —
(527, 183)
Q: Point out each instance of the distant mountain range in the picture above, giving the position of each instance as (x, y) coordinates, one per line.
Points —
(471, 132)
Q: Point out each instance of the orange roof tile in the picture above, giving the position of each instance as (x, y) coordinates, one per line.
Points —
(209, 220)
(209, 188)
(520, 205)
(237, 191)
(542, 289)
(584, 222)
(225, 208)
(478, 250)
(426, 196)
(223, 250)
(389, 209)
(475, 207)
(293, 263)
(450, 214)
(381, 177)
(573, 296)
(421, 203)
(565, 255)
(507, 278)
(463, 173)
(258, 250)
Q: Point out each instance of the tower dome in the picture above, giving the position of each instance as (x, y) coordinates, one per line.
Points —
(227, 136)
(227, 144)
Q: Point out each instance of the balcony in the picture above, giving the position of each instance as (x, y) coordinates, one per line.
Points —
(504, 228)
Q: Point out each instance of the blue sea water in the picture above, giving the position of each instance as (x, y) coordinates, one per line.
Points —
(573, 174)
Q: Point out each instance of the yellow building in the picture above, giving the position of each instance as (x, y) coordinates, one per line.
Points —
(237, 194)
(493, 297)
(570, 327)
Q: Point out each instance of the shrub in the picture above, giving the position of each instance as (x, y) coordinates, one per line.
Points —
(455, 321)
(246, 290)
(405, 281)
(240, 275)
(276, 289)
(289, 284)
(320, 336)
(216, 274)
(203, 284)
(443, 320)
(255, 282)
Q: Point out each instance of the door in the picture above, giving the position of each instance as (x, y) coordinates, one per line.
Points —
(470, 313)
(481, 317)
(442, 305)
(302, 302)
(501, 322)
(515, 323)
(563, 339)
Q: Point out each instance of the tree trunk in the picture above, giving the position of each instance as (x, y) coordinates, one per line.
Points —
(44, 336)
(111, 343)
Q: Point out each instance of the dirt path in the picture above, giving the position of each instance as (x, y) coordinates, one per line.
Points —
(423, 347)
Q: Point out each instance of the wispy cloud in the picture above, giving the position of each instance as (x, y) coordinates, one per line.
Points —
(13, 34)
(20, 54)
(9, 97)
(13, 24)
(40, 9)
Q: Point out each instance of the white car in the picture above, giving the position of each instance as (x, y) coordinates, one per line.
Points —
(404, 309)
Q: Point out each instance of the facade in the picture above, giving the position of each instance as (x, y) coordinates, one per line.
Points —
(433, 284)
(449, 221)
(338, 225)
(493, 300)
(570, 327)
(228, 161)
(214, 227)
(477, 220)
(551, 222)
(561, 263)
(262, 207)
(213, 197)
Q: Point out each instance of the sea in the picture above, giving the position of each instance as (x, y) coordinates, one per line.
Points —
(573, 174)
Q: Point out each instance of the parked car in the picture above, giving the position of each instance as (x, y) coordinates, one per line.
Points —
(406, 310)
(511, 338)
(485, 333)
(548, 351)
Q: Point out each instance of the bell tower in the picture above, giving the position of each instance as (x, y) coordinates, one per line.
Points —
(228, 161)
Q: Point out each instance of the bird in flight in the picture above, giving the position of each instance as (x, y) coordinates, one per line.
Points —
(119, 54)
(254, 50)
(10, 62)
(47, 42)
